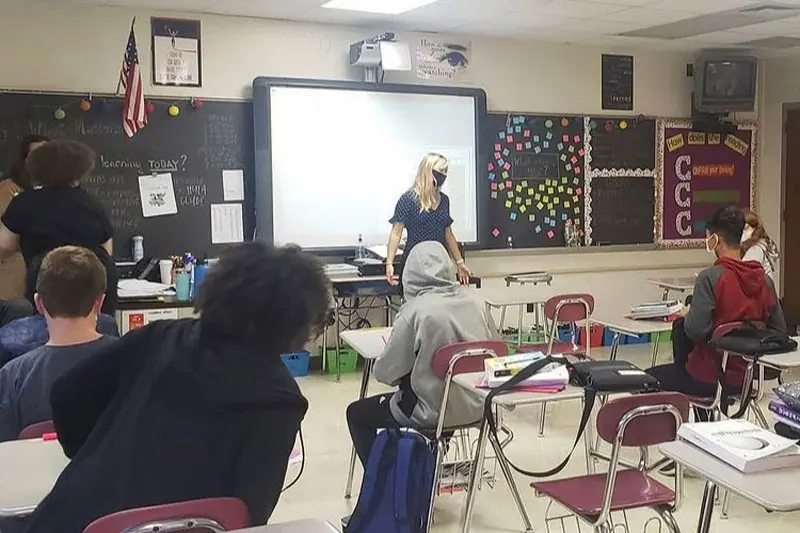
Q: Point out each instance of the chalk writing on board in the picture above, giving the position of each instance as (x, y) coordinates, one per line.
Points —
(222, 147)
(191, 191)
(528, 165)
(106, 162)
(82, 128)
(177, 164)
(622, 210)
(38, 127)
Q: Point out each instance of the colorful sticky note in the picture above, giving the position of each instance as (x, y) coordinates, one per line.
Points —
(508, 181)
(497, 147)
(507, 166)
(577, 210)
(500, 162)
(574, 159)
(577, 139)
(519, 147)
(518, 199)
(526, 134)
(557, 200)
(567, 205)
(549, 135)
(522, 209)
(569, 190)
(550, 206)
(510, 138)
(563, 157)
(537, 150)
(510, 193)
(575, 199)
(501, 135)
(575, 181)
(531, 192)
(545, 144)
(512, 216)
(496, 232)
(581, 152)
(552, 222)
(538, 196)
(552, 212)
(550, 190)
(563, 216)
(550, 234)
(505, 175)
(560, 146)
(494, 195)
(508, 204)
(498, 157)
(531, 218)
(577, 222)
(546, 220)
(560, 188)
(540, 206)
(492, 176)
(568, 167)
(571, 149)
(564, 179)
(518, 188)
(538, 229)
(541, 187)
(501, 186)
(565, 138)
(509, 130)
(578, 191)
(506, 152)
(528, 145)
(536, 138)
(518, 129)
(494, 186)
(524, 183)
(546, 199)
(528, 201)
(577, 170)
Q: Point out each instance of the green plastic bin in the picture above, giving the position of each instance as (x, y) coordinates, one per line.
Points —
(348, 360)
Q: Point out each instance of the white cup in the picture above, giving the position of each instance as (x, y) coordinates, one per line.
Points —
(165, 266)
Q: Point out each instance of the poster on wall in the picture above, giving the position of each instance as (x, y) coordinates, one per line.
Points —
(176, 51)
(440, 60)
(698, 173)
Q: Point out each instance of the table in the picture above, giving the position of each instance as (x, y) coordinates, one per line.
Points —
(368, 343)
(533, 278)
(135, 313)
(516, 297)
(783, 361)
(678, 284)
(770, 490)
(29, 469)
(510, 400)
(634, 328)
(308, 525)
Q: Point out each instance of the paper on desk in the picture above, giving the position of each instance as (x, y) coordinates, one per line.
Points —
(233, 185)
(138, 288)
(226, 223)
(158, 195)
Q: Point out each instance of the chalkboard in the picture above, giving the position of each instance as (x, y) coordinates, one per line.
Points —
(617, 82)
(534, 179)
(621, 210)
(621, 146)
(196, 146)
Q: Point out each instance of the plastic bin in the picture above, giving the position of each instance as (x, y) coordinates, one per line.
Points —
(641, 339)
(348, 360)
(297, 363)
(665, 337)
(595, 335)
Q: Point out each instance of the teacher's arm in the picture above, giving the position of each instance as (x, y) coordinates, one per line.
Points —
(9, 242)
(394, 241)
(109, 247)
(464, 272)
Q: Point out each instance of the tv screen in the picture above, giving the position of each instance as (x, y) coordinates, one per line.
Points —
(729, 80)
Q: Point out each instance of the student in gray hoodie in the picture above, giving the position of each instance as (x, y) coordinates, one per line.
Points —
(438, 311)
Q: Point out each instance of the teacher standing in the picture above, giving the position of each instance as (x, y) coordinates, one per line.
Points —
(424, 212)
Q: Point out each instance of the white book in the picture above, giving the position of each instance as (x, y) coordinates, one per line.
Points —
(650, 310)
(498, 370)
(743, 445)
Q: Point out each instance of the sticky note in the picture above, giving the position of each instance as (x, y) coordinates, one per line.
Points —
(550, 205)
(550, 234)
(569, 190)
(537, 150)
(518, 199)
(509, 130)
(568, 167)
(549, 135)
(491, 167)
(581, 152)
(494, 185)
(528, 201)
(519, 147)
(501, 135)
(564, 179)
(551, 190)
(492, 176)
(574, 159)
(563, 157)
(536, 138)
(518, 188)
(565, 138)
(560, 188)
(506, 152)
(531, 218)
(545, 198)
(526, 134)
(510, 193)
(530, 192)
(552, 212)
(497, 147)
(498, 157)
(518, 129)
(548, 181)
(501, 185)
(522, 209)
(563, 216)
(567, 204)
(500, 162)
(507, 166)
(575, 181)
(546, 220)
(524, 183)
(496, 232)
(578, 191)
(508, 204)
(510, 138)
(540, 206)
(560, 146)
(545, 144)
(577, 210)
(538, 229)
(571, 149)
(528, 145)
(541, 187)
(575, 199)
(577, 221)
(552, 223)
(577, 139)
(577, 170)
(512, 216)
(538, 196)
(505, 175)
(557, 200)
(508, 181)
(494, 195)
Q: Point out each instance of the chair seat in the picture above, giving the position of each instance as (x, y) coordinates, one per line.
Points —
(559, 347)
(583, 495)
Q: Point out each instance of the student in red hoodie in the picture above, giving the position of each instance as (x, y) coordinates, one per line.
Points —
(729, 291)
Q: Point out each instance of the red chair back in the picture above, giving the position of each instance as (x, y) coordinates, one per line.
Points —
(647, 429)
(442, 357)
(210, 514)
(37, 430)
(571, 310)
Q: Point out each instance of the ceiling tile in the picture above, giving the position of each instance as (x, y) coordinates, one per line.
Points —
(626, 3)
(646, 16)
(569, 8)
(701, 7)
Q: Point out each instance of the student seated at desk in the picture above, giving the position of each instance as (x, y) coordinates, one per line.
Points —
(438, 311)
(69, 293)
(731, 290)
(195, 408)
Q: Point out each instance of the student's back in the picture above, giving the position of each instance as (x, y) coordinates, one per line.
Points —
(438, 312)
(196, 418)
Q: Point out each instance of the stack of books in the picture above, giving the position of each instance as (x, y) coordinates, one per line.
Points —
(498, 370)
(785, 414)
(667, 309)
(743, 445)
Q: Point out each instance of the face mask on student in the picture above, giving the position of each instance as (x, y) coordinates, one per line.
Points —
(439, 178)
(709, 248)
(747, 233)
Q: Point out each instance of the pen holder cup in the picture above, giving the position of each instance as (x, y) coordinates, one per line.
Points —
(183, 286)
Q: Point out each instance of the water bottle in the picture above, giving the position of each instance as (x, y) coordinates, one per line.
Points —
(510, 242)
(361, 252)
(138, 248)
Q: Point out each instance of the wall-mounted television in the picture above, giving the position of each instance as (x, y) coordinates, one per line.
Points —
(725, 82)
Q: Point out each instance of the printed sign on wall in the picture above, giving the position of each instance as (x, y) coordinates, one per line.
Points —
(176, 52)
(700, 172)
(440, 60)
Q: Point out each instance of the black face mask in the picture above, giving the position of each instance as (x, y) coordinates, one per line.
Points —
(439, 178)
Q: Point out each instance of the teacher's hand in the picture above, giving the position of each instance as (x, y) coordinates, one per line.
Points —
(464, 273)
(390, 277)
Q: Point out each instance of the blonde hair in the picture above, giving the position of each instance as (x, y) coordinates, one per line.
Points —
(424, 184)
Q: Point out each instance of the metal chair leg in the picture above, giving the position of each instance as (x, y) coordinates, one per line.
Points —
(440, 452)
(726, 500)
(669, 520)
(541, 419)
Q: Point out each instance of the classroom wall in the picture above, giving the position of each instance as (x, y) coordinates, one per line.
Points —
(79, 48)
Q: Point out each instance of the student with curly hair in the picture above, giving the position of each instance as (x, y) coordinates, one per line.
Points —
(195, 408)
(57, 212)
(757, 245)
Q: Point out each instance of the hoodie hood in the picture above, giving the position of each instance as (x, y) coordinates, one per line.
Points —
(750, 274)
(428, 269)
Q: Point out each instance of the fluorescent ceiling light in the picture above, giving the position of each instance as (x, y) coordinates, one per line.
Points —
(384, 7)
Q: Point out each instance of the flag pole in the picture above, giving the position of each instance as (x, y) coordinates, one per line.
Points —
(119, 81)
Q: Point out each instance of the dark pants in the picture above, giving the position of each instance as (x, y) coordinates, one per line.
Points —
(364, 418)
(11, 310)
(674, 377)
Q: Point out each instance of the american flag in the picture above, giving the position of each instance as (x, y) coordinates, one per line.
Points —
(134, 116)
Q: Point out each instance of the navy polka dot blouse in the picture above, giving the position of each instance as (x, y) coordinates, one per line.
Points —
(422, 226)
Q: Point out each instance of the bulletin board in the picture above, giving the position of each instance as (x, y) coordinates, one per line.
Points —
(535, 179)
(699, 173)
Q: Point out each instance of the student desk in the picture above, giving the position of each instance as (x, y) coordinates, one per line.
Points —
(518, 297)
(682, 284)
(774, 490)
(29, 469)
(296, 526)
(506, 401)
(634, 328)
(134, 313)
(368, 343)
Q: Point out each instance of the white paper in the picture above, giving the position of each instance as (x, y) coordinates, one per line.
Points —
(158, 195)
(233, 185)
(226, 223)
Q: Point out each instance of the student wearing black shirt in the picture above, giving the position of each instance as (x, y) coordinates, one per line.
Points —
(194, 408)
(57, 212)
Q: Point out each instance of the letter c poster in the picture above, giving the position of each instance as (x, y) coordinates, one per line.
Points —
(698, 173)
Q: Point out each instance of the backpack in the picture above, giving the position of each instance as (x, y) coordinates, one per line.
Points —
(398, 482)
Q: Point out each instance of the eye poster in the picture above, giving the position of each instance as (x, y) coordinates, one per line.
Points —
(441, 60)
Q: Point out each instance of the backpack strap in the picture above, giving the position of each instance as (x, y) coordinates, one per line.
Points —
(375, 473)
(406, 445)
